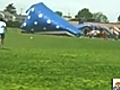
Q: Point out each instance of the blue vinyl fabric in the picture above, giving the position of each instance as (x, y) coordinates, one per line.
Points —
(82, 26)
(91, 26)
(41, 18)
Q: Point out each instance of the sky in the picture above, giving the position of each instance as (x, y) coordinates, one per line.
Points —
(111, 8)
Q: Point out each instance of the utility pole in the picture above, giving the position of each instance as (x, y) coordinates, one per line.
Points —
(69, 12)
(21, 11)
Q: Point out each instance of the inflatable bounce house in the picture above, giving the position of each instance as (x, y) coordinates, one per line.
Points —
(43, 20)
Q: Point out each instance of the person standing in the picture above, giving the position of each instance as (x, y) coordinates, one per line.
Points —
(3, 29)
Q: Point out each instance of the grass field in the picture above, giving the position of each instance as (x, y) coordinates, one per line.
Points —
(58, 63)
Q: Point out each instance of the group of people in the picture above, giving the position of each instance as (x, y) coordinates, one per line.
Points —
(102, 33)
(97, 33)
(3, 29)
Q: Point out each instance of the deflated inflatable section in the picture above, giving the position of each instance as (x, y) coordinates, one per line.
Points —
(82, 27)
(42, 19)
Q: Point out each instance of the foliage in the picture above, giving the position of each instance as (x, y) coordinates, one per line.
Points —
(14, 24)
(57, 63)
(59, 13)
(118, 18)
(84, 14)
(11, 8)
(100, 17)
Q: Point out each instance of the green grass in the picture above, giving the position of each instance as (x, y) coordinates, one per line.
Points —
(58, 63)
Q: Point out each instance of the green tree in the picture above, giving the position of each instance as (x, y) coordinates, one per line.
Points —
(84, 15)
(59, 13)
(11, 8)
(100, 17)
(118, 18)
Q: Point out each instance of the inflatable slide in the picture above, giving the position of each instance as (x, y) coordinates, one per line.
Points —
(43, 20)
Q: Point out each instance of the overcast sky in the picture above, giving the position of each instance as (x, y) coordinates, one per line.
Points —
(111, 8)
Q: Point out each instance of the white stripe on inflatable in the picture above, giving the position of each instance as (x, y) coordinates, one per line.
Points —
(116, 29)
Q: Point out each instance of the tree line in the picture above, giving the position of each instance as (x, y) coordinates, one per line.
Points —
(83, 15)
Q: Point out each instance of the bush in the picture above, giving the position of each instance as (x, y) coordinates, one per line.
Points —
(14, 24)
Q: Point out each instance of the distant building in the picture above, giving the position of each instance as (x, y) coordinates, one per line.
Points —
(7, 16)
(10, 17)
(20, 18)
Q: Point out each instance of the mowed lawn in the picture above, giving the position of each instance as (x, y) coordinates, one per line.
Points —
(58, 63)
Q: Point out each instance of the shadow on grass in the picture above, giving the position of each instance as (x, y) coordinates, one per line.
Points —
(5, 48)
